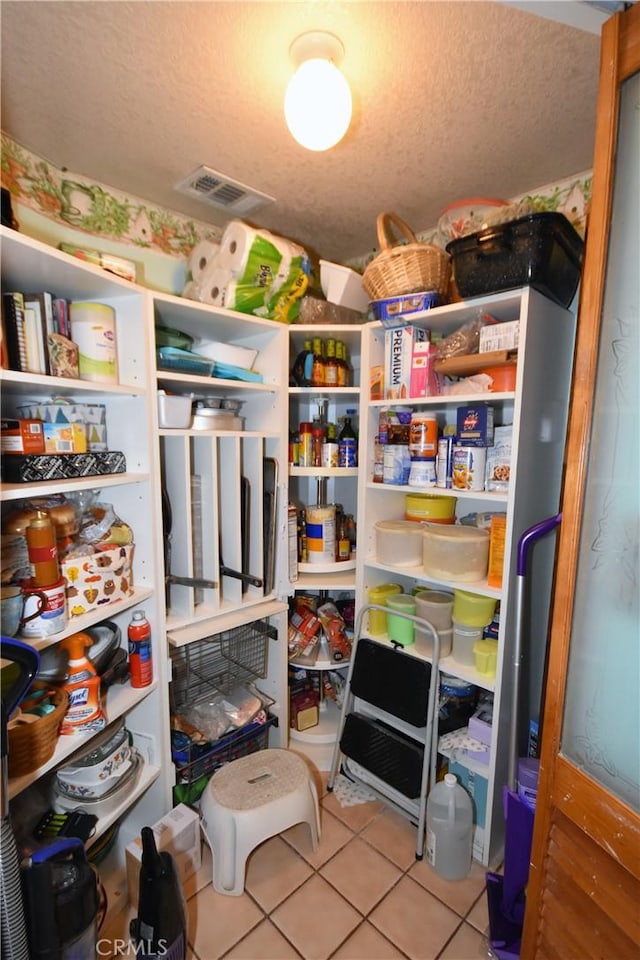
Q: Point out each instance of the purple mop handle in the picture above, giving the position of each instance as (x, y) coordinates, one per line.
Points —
(527, 539)
(530, 536)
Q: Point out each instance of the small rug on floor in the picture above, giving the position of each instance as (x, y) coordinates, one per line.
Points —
(348, 793)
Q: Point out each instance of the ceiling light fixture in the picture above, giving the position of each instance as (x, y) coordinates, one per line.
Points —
(317, 104)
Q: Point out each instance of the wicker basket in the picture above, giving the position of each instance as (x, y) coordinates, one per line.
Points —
(32, 744)
(411, 267)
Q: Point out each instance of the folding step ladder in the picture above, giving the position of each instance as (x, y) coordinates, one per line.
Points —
(387, 736)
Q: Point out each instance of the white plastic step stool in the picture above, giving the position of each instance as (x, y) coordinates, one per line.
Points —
(249, 800)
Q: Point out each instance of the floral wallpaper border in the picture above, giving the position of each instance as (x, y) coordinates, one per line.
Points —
(76, 201)
(100, 211)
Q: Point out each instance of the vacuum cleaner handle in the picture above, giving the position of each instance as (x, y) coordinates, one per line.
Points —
(28, 662)
(57, 848)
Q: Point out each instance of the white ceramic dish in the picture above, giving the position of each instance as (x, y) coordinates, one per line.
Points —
(100, 769)
(110, 801)
(230, 353)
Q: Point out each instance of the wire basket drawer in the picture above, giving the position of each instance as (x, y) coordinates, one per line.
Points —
(216, 664)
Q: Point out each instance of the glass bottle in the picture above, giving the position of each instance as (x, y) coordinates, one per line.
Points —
(350, 525)
(294, 448)
(303, 555)
(42, 549)
(348, 444)
(318, 371)
(303, 366)
(343, 544)
(332, 367)
(348, 369)
(343, 370)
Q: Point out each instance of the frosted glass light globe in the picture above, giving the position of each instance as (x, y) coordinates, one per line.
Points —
(317, 105)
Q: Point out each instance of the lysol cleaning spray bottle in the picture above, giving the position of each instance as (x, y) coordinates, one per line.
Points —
(140, 659)
(83, 686)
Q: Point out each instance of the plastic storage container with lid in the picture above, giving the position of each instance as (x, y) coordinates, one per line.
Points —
(449, 829)
(464, 640)
(378, 595)
(434, 606)
(455, 552)
(398, 543)
(485, 653)
(430, 508)
(399, 628)
(472, 609)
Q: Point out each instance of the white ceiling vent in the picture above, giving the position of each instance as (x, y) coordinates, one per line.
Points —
(221, 191)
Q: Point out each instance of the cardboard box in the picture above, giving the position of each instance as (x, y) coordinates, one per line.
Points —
(99, 579)
(477, 788)
(475, 425)
(178, 833)
(65, 437)
(425, 382)
(498, 467)
(398, 358)
(480, 725)
(22, 437)
(92, 415)
(499, 336)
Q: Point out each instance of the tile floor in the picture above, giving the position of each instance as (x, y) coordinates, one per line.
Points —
(361, 896)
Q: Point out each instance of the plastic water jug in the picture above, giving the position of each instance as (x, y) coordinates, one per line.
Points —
(449, 829)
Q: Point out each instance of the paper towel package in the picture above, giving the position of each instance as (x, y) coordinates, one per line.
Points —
(201, 258)
(178, 833)
(252, 271)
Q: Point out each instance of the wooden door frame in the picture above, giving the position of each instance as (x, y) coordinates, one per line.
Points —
(563, 787)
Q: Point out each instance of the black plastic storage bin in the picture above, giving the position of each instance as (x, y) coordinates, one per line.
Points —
(542, 250)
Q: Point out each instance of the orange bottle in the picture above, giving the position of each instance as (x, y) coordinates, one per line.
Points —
(140, 657)
(43, 550)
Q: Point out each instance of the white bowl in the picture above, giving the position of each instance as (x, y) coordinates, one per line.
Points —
(230, 353)
(343, 286)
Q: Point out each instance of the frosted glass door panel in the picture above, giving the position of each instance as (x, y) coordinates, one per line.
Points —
(602, 711)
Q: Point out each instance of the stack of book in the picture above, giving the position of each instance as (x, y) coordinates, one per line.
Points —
(35, 334)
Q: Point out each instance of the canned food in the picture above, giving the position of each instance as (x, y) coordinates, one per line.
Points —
(468, 469)
(444, 467)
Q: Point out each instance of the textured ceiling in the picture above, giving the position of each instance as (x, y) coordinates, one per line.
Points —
(451, 100)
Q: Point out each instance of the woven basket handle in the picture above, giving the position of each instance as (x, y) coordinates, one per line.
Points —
(386, 240)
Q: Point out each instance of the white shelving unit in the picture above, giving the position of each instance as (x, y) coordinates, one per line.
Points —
(537, 409)
(28, 265)
(340, 486)
(166, 457)
(210, 527)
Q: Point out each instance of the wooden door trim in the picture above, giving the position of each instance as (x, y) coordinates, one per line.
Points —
(612, 825)
(620, 58)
